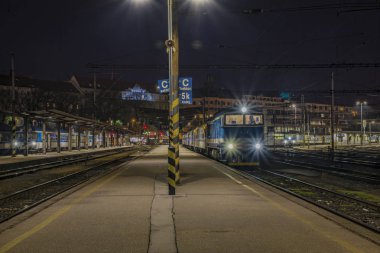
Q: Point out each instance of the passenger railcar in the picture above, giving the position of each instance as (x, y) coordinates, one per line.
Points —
(233, 137)
(35, 140)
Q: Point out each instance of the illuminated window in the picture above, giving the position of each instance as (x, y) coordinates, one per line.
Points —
(136, 93)
(234, 119)
(253, 119)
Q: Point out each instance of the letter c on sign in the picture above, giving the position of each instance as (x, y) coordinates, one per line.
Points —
(185, 82)
(164, 84)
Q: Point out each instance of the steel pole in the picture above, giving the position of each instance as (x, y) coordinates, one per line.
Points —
(361, 123)
(26, 141)
(172, 45)
(370, 133)
(13, 107)
(303, 119)
(58, 137)
(295, 118)
(332, 114)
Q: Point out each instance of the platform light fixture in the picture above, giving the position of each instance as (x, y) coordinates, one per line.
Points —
(244, 109)
(295, 115)
(370, 130)
(361, 103)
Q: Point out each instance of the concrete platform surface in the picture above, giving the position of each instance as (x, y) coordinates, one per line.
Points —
(32, 157)
(214, 211)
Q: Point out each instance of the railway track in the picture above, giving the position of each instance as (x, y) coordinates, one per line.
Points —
(333, 170)
(14, 172)
(23, 200)
(359, 211)
(324, 157)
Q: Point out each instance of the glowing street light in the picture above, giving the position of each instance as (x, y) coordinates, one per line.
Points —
(361, 103)
(295, 115)
(244, 109)
(370, 130)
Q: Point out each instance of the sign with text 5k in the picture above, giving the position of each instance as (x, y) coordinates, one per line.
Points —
(185, 85)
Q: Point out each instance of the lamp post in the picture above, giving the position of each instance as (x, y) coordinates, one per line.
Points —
(370, 130)
(361, 103)
(295, 115)
(13, 106)
(172, 45)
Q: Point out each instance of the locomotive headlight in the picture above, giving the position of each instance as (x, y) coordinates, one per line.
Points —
(15, 143)
(285, 141)
(230, 146)
(258, 146)
(34, 143)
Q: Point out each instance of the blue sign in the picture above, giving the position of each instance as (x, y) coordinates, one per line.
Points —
(163, 86)
(285, 95)
(186, 97)
(185, 85)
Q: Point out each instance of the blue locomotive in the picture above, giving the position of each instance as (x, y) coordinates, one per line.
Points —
(234, 137)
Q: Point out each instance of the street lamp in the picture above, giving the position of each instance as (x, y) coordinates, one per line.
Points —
(172, 45)
(244, 109)
(295, 115)
(361, 103)
(370, 130)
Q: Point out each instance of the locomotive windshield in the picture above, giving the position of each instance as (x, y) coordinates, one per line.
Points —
(239, 120)
(253, 119)
(234, 120)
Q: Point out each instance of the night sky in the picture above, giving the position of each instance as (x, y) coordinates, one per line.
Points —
(56, 39)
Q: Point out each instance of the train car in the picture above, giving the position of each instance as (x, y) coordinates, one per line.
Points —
(35, 139)
(191, 140)
(185, 139)
(199, 138)
(232, 136)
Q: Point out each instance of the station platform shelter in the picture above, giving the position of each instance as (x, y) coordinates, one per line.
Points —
(214, 210)
(54, 130)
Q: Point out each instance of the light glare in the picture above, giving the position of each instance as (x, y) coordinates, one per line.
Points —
(139, 2)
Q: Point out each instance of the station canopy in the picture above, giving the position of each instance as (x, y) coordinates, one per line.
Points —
(60, 116)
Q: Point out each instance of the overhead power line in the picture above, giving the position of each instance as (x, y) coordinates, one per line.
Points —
(236, 66)
(341, 7)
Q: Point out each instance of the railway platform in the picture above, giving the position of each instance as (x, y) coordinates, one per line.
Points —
(214, 210)
(33, 158)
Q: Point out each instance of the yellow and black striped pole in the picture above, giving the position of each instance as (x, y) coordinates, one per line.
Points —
(13, 135)
(13, 130)
(173, 49)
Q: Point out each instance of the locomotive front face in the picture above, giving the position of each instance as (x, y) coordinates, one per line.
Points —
(243, 137)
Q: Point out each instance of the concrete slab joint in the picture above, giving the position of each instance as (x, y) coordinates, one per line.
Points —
(162, 230)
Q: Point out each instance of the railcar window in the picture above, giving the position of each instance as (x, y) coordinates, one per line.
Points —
(5, 136)
(234, 120)
(253, 119)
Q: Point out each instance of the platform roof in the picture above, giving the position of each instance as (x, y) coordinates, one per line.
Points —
(60, 116)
